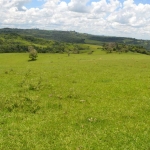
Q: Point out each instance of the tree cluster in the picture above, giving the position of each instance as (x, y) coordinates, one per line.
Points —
(124, 48)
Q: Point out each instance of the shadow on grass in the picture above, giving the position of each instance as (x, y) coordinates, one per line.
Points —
(30, 60)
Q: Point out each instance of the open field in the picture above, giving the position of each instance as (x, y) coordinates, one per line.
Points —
(81, 102)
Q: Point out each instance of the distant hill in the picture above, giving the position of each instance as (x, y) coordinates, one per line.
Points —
(17, 40)
(75, 37)
(62, 36)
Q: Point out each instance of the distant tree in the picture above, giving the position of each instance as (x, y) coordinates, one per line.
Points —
(91, 52)
(32, 53)
(110, 47)
(76, 49)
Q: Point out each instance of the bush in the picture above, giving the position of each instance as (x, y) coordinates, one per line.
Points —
(32, 53)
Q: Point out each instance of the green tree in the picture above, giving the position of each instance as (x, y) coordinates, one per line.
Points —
(32, 53)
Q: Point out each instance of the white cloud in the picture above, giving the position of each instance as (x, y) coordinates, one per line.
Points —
(103, 6)
(79, 6)
(131, 14)
(7, 4)
(102, 17)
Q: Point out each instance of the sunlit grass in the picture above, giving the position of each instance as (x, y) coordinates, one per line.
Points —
(98, 101)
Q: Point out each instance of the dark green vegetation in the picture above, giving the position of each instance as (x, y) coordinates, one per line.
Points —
(124, 48)
(52, 41)
(81, 102)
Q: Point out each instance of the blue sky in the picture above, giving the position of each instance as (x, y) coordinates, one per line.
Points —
(39, 3)
(34, 3)
(140, 1)
(127, 18)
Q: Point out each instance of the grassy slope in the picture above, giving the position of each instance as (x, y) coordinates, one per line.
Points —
(99, 101)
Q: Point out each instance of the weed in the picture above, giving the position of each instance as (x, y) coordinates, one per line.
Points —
(21, 103)
(31, 83)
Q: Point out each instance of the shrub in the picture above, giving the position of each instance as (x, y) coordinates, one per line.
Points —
(32, 53)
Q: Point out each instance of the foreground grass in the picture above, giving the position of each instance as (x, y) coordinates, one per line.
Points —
(99, 101)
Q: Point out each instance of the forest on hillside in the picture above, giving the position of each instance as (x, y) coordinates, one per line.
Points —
(53, 41)
(19, 43)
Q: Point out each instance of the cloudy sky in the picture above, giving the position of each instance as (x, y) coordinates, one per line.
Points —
(128, 18)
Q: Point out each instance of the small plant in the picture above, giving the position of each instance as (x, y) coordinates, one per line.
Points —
(29, 83)
(68, 52)
(32, 53)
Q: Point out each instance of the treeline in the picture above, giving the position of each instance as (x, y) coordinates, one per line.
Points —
(13, 48)
(61, 36)
(75, 37)
(13, 42)
(124, 48)
(107, 39)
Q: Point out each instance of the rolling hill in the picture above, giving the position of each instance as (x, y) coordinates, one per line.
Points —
(17, 40)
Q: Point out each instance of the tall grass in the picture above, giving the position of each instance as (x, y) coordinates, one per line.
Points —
(98, 101)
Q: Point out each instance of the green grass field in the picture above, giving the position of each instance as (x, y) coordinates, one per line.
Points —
(81, 102)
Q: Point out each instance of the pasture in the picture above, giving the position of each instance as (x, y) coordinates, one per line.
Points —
(81, 102)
